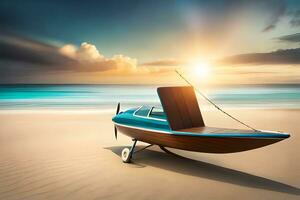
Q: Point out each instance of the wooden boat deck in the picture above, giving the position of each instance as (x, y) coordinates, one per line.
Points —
(206, 129)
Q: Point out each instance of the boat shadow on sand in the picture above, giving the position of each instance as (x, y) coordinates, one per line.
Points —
(205, 170)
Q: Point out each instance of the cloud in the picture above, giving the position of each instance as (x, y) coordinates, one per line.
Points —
(37, 55)
(21, 49)
(214, 16)
(285, 56)
(290, 38)
(23, 60)
(269, 28)
(278, 9)
(85, 53)
(164, 63)
(90, 59)
(295, 18)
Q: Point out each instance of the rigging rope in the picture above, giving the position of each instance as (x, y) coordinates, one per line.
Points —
(207, 99)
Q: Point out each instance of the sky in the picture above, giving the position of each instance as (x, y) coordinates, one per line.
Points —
(143, 42)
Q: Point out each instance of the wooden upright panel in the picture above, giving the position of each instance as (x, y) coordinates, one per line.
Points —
(181, 107)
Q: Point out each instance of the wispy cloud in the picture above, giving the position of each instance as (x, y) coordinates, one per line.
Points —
(285, 56)
(290, 38)
(295, 18)
(164, 63)
(278, 10)
(269, 28)
(21, 49)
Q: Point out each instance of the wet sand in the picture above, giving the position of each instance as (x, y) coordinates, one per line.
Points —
(73, 155)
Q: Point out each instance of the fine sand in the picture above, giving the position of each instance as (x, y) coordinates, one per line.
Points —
(73, 155)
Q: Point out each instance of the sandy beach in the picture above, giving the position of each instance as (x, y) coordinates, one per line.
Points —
(73, 155)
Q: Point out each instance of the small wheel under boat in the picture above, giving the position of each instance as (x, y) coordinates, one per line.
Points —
(126, 157)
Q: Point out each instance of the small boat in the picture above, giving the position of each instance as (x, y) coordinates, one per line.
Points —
(179, 124)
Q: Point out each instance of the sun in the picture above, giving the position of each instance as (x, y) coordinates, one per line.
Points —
(200, 69)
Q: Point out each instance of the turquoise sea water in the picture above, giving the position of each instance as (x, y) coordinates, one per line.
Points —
(107, 96)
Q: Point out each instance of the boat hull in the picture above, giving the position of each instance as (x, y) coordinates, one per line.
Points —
(197, 143)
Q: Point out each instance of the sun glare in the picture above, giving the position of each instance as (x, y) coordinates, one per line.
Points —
(201, 69)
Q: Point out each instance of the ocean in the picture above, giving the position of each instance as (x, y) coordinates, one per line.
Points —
(25, 96)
